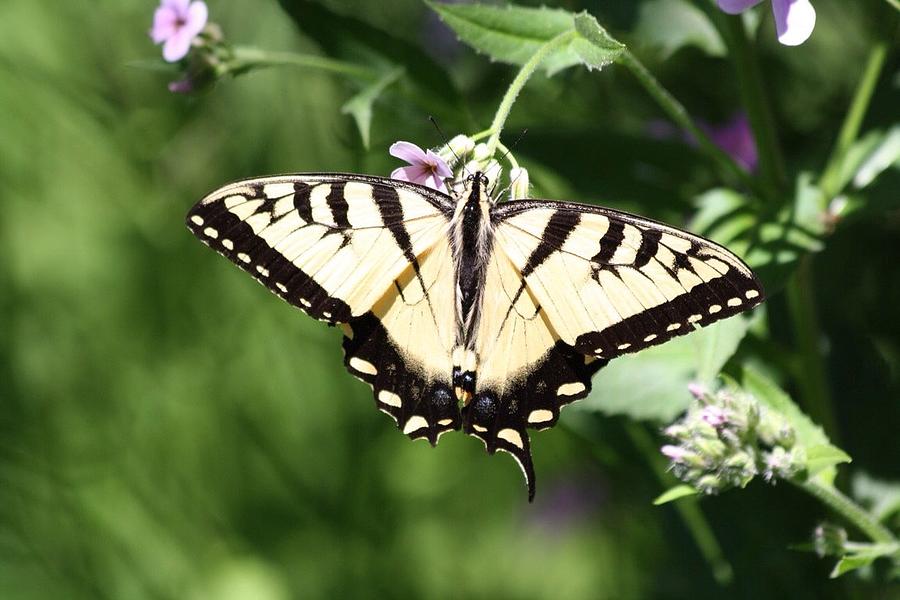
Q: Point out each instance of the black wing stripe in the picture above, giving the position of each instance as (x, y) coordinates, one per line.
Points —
(561, 224)
(337, 203)
(610, 242)
(301, 201)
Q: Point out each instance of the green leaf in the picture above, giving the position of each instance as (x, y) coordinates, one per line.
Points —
(772, 244)
(349, 38)
(652, 384)
(862, 556)
(821, 456)
(510, 34)
(513, 34)
(360, 105)
(679, 491)
(878, 151)
(594, 45)
(672, 24)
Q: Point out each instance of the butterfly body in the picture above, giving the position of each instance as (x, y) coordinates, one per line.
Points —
(465, 313)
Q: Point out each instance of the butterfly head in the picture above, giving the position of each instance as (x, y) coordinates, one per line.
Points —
(478, 187)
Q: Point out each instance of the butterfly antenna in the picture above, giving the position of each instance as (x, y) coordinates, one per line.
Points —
(447, 145)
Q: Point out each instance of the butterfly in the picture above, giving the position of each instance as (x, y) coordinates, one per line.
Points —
(463, 312)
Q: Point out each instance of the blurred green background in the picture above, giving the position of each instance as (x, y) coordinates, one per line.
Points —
(170, 430)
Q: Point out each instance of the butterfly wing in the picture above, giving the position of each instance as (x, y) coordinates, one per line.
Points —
(613, 283)
(573, 286)
(365, 252)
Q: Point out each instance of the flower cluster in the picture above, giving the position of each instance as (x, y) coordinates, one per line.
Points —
(189, 40)
(434, 169)
(726, 439)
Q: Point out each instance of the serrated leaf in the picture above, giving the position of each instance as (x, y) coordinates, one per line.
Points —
(673, 24)
(809, 435)
(824, 456)
(672, 494)
(594, 45)
(653, 384)
(510, 34)
(360, 105)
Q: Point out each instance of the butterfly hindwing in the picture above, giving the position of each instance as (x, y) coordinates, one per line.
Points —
(402, 347)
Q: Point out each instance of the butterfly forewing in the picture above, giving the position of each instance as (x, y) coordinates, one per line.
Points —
(329, 244)
(612, 283)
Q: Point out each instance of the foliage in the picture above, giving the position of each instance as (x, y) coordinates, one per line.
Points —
(171, 431)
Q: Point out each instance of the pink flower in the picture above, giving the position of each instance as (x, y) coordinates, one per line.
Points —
(714, 416)
(426, 167)
(177, 23)
(676, 453)
(794, 19)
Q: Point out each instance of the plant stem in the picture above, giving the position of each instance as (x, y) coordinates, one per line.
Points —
(679, 114)
(246, 57)
(519, 82)
(831, 179)
(848, 509)
(759, 113)
(688, 508)
(811, 372)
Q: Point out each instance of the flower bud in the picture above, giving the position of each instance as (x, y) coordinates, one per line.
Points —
(519, 183)
(830, 540)
(481, 153)
(456, 149)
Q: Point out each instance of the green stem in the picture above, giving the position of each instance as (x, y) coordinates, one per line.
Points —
(680, 116)
(831, 179)
(688, 508)
(848, 509)
(811, 372)
(246, 58)
(519, 82)
(759, 113)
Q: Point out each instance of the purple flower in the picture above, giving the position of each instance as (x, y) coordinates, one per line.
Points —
(177, 23)
(736, 138)
(794, 19)
(426, 167)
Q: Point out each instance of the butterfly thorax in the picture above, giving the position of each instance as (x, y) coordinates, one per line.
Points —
(472, 236)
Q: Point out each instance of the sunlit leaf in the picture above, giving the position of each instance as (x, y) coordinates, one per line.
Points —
(822, 457)
(510, 34)
(770, 243)
(594, 45)
(653, 384)
(672, 494)
(513, 34)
